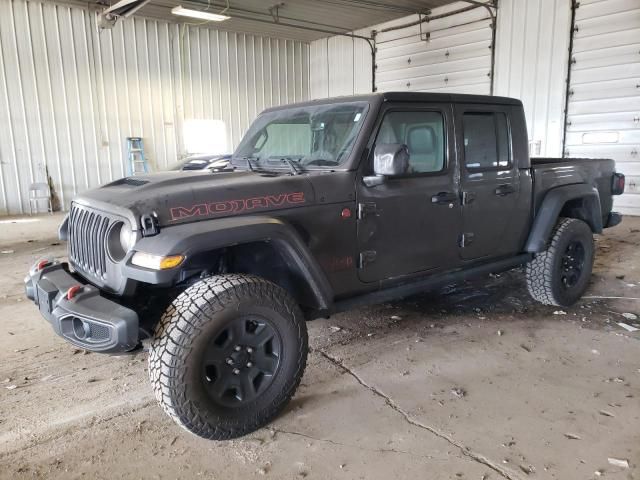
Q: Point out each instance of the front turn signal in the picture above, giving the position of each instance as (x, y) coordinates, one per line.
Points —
(156, 262)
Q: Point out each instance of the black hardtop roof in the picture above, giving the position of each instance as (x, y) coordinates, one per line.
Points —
(414, 97)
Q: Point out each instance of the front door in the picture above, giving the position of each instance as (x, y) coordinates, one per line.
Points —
(411, 223)
(494, 204)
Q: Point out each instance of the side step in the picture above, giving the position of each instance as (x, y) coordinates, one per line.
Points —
(425, 284)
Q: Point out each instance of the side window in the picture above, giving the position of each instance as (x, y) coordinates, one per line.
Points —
(486, 140)
(422, 133)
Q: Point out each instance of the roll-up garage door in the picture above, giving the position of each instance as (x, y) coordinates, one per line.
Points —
(447, 54)
(604, 93)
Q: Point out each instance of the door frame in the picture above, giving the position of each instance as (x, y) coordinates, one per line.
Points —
(451, 167)
(465, 173)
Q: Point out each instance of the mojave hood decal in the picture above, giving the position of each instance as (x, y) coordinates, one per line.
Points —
(225, 207)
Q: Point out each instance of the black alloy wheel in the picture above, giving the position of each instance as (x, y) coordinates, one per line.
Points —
(572, 264)
(241, 361)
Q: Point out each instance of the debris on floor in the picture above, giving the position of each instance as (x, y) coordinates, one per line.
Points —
(265, 469)
(619, 462)
(559, 312)
(627, 327)
(630, 316)
(572, 436)
(458, 392)
(527, 469)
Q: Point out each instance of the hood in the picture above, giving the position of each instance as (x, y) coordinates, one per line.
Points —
(182, 197)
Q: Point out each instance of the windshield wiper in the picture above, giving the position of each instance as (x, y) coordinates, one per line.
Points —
(293, 166)
(259, 167)
(249, 159)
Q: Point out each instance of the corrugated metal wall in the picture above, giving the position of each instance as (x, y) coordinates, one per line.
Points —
(532, 54)
(69, 95)
(340, 66)
(604, 99)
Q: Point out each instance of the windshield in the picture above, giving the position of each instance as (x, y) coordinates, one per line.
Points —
(320, 136)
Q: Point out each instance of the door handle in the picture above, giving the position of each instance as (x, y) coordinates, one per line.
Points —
(444, 198)
(504, 190)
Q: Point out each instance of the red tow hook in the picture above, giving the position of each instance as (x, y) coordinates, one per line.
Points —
(73, 291)
(42, 264)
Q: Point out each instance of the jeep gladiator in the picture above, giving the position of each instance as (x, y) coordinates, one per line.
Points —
(332, 204)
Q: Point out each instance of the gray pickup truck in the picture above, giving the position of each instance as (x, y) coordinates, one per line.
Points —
(332, 204)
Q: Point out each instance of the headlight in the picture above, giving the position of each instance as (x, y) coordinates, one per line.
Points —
(127, 237)
(156, 262)
(120, 240)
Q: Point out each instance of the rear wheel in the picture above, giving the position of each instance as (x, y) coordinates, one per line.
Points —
(560, 275)
(227, 355)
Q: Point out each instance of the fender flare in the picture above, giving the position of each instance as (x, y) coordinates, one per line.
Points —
(551, 206)
(192, 238)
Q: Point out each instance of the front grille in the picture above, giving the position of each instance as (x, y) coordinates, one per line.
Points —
(87, 239)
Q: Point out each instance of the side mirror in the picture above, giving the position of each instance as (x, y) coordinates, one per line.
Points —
(389, 160)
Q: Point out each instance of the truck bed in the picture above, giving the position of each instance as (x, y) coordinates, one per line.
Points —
(549, 172)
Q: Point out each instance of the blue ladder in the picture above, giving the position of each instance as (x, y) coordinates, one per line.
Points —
(135, 151)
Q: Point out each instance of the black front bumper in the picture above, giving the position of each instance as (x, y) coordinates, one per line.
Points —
(87, 320)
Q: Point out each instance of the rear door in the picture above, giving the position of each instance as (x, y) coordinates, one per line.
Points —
(494, 207)
(411, 224)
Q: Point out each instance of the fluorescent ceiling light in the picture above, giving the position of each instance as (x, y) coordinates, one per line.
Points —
(187, 12)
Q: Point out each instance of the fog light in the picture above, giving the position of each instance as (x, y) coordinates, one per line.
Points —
(81, 329)
(156, 262)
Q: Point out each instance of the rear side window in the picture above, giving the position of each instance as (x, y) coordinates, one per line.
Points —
(422, 132)
(486, 140)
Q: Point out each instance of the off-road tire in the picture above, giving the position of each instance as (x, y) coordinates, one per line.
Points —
(181, 337)
(544, 272)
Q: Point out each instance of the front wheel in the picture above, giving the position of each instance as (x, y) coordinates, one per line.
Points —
(560, 275)
(227, 355)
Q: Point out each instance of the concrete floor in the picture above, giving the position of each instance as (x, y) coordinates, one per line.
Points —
(472, 382)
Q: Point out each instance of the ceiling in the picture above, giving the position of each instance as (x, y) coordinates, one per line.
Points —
(279, 18)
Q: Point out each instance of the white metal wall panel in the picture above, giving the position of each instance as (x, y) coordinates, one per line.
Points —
(234, 77)
(604, 99)
(340, 66)
(70, 95)
(532, 54)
